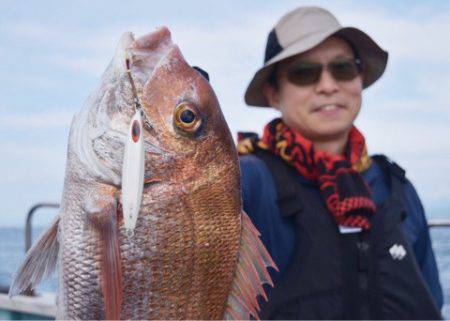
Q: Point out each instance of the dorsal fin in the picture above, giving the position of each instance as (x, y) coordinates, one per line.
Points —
(251, 274)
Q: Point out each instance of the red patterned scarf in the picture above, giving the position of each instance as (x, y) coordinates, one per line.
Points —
(347, 195)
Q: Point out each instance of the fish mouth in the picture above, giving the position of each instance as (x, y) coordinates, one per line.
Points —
(142, 55)
(146, 52)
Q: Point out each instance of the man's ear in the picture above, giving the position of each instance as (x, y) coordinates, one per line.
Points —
(271, 93)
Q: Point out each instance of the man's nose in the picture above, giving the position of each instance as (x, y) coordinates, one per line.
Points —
(326, 83)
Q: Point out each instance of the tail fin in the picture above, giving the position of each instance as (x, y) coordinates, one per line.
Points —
(39, 263)
(251, 274)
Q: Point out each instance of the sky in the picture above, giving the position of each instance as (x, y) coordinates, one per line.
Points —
(53, 53)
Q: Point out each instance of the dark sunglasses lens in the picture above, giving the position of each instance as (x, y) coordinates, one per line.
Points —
(304, 74)
(344, 70)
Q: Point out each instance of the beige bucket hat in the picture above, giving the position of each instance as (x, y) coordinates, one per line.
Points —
(304, 28)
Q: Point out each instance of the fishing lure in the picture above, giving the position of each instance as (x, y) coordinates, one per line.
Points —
(133, 163)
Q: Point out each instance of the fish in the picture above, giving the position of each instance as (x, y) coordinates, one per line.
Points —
(189, 251)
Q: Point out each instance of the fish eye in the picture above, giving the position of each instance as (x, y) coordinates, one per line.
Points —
(186, 117)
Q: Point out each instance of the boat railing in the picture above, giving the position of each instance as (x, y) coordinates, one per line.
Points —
(29, 231)
(28, 224)
(438, 223)
(29, 305)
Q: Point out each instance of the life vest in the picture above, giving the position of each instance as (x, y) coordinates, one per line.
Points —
(367, 275)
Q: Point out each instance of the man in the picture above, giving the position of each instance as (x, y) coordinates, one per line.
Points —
(347, 231)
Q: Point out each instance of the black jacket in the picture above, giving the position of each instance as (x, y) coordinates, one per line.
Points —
(368, 275)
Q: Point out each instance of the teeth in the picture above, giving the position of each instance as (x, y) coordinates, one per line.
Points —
(329, 107)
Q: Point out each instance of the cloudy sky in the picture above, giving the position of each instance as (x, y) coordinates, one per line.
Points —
(52, 54)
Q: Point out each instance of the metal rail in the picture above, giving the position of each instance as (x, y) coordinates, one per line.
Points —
(28, 225)
(439, 223)
(29, 232)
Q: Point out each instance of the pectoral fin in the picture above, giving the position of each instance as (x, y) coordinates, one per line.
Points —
(39, 263)
(102, 218)
(250, 275)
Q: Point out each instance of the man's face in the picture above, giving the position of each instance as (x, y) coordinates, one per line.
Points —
(326, 109)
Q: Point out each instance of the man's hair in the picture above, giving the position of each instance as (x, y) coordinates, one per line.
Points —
(272, 79)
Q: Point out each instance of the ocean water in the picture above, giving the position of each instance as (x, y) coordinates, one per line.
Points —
(12, 244)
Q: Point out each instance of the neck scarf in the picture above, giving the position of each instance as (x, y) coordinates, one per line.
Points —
(346, 194)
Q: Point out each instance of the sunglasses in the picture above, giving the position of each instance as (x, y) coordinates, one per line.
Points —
(307, 73)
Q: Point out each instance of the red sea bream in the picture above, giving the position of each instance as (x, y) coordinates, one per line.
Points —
(192, 252)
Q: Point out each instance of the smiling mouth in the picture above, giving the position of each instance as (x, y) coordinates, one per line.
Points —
(328, 108)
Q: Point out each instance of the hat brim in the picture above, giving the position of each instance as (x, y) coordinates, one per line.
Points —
(373, 57)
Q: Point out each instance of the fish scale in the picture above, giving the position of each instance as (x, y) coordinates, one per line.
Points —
(80, 256)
